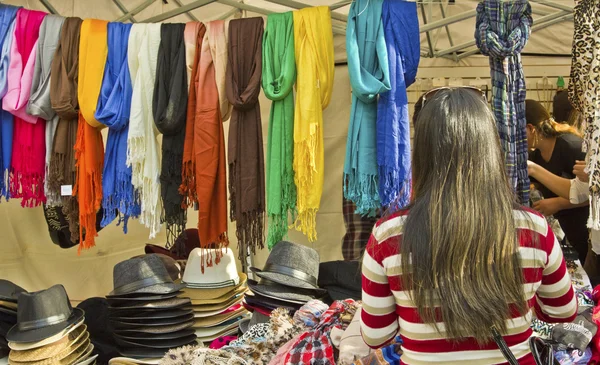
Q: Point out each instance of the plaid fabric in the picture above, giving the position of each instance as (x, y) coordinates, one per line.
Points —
(315, 347)
(389, 355)
(358, 231)
(502, 31)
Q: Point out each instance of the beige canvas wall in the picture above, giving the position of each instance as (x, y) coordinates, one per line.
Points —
(28, 257)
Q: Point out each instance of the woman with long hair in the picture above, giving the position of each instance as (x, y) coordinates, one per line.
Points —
(556, 147)
(463, 258)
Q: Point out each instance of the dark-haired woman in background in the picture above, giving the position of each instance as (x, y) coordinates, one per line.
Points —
(556, 147)
(463, 257)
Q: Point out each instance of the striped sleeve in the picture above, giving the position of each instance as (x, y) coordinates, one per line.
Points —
(379, 321)
(555, 298)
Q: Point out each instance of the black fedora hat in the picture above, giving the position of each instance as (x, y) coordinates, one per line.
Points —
(159, 336)
(43, 314)
(283, 293)
(146, 274)
(292, 265)
(158, 322)
(10, 291)
(157, 344)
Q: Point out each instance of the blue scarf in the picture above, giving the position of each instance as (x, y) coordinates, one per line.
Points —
(401, 25)
(502, 31)
(7, 25)
(114, 104)
(369, 76)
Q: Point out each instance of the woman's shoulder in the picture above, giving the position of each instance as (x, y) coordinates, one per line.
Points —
(389, 226)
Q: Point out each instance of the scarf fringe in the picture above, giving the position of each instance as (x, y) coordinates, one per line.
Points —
(278, 220)
(232, 196)
(125, 200)
(87, 218)
(29, 188)
(278, 229)
(362, 189)
(52, 195)
(174, 215)
(305, 167)
(207, 253)
(306, 222)
(136, 150)
(70, 208)
(150, 216)
(5, 185)
(394, 189)
(251, 231)
(188, 184)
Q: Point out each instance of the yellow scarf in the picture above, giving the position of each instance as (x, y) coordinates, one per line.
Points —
(89, 149)
(315, 70)
(93, 49)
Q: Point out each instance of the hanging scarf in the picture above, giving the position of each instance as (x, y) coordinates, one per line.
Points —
(188, 170)
(142, 147)
(314, 345)
(216, 36)
(8, 15)
(89, 149)
(245, 155)
(190, 36)
(501, 32)
(278, 78)
(369, 76)
(209, 144)
(169, 108)
(27, 165)
(63, 96)
(39, 101)
(313, 40)
(113, 110)
(583, 94)
(401, 27)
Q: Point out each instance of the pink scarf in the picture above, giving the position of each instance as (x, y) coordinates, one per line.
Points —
(29, 146)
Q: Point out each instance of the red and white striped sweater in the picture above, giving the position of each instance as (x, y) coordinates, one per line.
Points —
(387, 309)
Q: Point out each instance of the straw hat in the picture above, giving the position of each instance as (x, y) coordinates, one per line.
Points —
(197, 296)
(157, 329)
(218, 319)
(33, 345)
(87, 361)
(8, 305)
(49, 351)
(133, 361)
(73, 351)
(233, 307)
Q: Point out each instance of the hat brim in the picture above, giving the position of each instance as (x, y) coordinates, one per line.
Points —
(244, 325)
(9, 311)
(143, 353)
(208, 294)
(266, 302)
(204, 314)
(338, 293)
(217, 331)
(279, 292)
(10, 291)
(287, 280)
(26, 346)
(158, 329)
(142, 297)
(35, 335)
(163, 336)
(219, 319)
(87, 361)
(227, 332)
(163, 288)
(118, 323)
(157, 344)
(142, 361)
(161, 304)
(149, 315)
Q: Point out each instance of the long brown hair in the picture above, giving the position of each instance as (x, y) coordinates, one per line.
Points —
(460, 243)
(538, 116)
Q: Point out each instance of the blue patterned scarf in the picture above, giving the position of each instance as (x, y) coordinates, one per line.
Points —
(401, 25)
(8, 14)
(502, 31)
(113, 110)
(369, 76)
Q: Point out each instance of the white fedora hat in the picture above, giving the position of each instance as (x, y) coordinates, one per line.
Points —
(220, 275)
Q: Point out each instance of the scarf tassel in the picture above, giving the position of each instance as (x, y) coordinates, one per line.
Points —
(124, 200)
(306, 221)
(363, 190)
(392, 180)
(278, 221)
(188, 185)
(250, 230)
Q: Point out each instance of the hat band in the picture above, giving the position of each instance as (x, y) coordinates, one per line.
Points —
(44, 322)
(139, 284)
(288, 271)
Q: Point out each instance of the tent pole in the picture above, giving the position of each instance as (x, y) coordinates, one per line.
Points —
(135, 11)
(124, 10)
(427, 32)
(175, 12)
(443, 11)
(231, 12)
(554, 5)
(297, 5)
(49, 6)
(190, 15)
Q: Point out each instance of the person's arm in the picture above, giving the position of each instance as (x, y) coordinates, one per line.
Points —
(552, 206)
(378, 321)
(558, 185)
(555, 298)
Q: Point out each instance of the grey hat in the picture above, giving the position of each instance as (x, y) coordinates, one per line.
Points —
(10, 291)
(291, 264)
(43, 314)
(284, 293)
(146, 274)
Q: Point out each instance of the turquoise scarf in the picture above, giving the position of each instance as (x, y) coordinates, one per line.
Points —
(369, 76)
(278, 78)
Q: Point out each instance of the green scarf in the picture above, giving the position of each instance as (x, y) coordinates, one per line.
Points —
(278, 78)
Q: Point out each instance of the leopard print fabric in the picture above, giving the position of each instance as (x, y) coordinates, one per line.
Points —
(584, 93)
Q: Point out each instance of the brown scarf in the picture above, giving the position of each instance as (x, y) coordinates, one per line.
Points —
(63, 96)
(246, 160)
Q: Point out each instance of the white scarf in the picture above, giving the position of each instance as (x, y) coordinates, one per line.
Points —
(216, 36)
(143, 151)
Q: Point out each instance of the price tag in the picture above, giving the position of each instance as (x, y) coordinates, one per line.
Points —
(66, 190)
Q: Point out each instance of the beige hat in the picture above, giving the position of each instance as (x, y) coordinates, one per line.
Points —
(206, 296)
(211, 334)
(83, 352)
(209, 313)
(117, 360)
(67, 356)
(218, 308)
(9, 305)
(88, 360)
(223, 275)
(33, 345)
(48, 351)
(218, 319)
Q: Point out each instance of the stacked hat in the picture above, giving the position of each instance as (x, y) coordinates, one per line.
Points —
(147, 311)
(288, 279)
(216, 294)
(9, 293)
(49, 331)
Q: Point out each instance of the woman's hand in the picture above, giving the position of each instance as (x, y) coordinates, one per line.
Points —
(548, 207)
(579, 171)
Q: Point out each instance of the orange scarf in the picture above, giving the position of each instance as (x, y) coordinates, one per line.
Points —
(89, 148)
